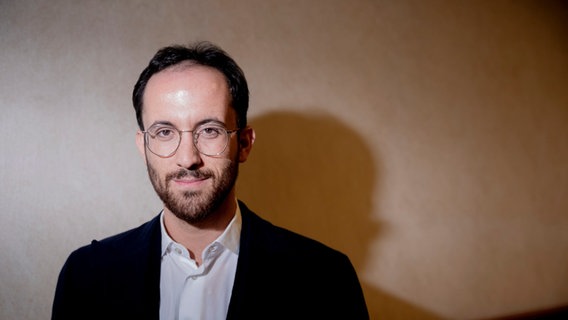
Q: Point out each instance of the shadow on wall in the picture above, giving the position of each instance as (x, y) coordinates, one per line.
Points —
(314, 175)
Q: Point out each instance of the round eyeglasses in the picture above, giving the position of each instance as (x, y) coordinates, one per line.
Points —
(164, 140)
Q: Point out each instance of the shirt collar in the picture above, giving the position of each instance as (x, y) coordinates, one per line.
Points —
(230, 238)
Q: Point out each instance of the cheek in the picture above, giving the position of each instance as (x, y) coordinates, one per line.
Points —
(158, 166)
(219, 165)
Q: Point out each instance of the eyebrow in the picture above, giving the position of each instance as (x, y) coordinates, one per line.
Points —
(161, 123)
(197, 125)
(209, 121)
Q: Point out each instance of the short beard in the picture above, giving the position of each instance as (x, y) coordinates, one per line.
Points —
(195, 207)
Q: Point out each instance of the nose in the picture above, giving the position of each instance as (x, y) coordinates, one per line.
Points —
(187, 155)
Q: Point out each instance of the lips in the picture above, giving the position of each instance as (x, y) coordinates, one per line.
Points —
(188, 178)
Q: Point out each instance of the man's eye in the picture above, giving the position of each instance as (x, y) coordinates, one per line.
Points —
(210, 132)
(164, 133)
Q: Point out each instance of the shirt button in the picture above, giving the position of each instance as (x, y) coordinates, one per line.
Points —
(178, 250)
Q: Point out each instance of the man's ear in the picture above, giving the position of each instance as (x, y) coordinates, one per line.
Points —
(140, 144)
(246, 140)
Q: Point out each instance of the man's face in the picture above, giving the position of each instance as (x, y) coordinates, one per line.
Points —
(193, 186)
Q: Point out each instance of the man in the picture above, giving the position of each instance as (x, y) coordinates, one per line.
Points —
(206, 255)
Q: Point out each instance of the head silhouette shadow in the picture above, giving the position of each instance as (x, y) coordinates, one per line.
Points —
(314, 175)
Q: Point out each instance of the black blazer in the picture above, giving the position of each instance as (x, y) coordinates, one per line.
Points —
(280, 275)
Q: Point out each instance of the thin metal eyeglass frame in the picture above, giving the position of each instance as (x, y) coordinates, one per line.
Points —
(194, 140)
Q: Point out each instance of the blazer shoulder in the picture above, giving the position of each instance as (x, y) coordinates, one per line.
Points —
(143, 232)
(119, 275)
(271, 239)
(276, 260)
(127, 243)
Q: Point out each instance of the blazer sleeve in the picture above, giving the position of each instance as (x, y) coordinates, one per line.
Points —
(115, 278)
(71, 293)
(353, 304)
(284, 275)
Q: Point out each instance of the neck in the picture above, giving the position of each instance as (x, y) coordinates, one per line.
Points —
(195, 237)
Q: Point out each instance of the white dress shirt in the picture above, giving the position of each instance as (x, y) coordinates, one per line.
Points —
(188, 291)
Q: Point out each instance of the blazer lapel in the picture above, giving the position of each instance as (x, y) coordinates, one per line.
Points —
(142, 270)
(250, 250)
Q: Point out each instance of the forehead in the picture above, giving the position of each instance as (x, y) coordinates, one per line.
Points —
(187, 94)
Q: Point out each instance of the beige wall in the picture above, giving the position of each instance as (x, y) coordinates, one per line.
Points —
(428, 140)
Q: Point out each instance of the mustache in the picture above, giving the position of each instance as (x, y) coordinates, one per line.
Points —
(183, 173)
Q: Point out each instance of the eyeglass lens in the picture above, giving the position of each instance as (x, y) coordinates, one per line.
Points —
(209, 140)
